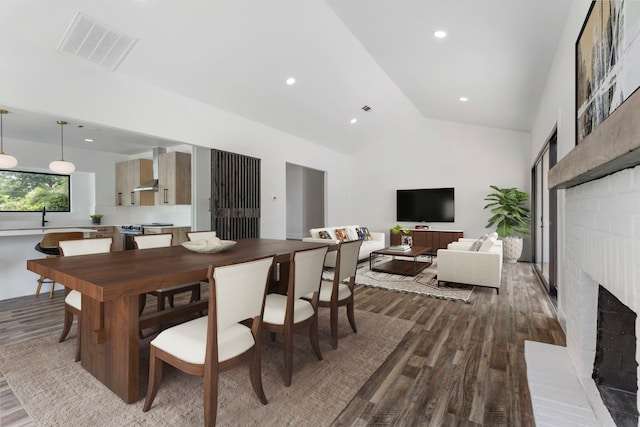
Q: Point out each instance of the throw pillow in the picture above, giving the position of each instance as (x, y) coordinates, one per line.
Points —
(352, 234)
(323, 234)
(476, 245)
(487, 245)
(365, 233)
(360, 233)
(341, 234)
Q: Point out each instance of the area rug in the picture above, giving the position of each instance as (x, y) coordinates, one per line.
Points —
(424, 283)
(56, 391)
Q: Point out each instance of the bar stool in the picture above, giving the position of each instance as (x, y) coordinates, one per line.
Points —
(49, 246)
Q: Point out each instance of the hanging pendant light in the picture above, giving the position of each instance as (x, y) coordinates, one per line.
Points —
(61, 166)
(6, 161)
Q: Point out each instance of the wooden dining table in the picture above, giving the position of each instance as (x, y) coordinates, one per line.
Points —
(111, 283)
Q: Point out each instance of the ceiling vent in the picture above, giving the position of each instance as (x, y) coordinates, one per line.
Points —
(94, 41)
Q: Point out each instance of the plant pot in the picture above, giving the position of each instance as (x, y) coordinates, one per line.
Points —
(511, 249)
(95, 220)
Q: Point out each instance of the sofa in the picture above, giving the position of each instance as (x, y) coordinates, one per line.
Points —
(475, 262)
(371, 241)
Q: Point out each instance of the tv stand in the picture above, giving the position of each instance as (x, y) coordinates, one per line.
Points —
(434, 239)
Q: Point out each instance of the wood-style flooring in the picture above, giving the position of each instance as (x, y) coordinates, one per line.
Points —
(461, 364)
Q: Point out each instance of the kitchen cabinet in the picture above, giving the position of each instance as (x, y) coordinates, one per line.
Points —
(129, 175)
(174, 178)
(108, 231)
(179, 233)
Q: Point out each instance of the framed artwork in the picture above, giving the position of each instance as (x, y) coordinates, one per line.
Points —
(607, 62)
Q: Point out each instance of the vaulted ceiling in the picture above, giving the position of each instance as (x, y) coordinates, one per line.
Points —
(344, 54)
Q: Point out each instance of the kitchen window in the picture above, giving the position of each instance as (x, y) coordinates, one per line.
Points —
(22, 191)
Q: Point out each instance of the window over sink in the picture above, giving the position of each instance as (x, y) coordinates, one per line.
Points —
(22, 191)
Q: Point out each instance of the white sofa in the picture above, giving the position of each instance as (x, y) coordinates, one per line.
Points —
(460, 264)
(376, 241)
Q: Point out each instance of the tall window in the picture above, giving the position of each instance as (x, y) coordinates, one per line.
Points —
(32, 191)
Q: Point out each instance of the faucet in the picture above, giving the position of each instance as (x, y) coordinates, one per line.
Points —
(44, 212)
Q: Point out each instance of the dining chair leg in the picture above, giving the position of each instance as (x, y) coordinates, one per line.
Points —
(255, 368)
(211, 397)
(333, 321)
(78, 342)
(288, 356)
(68, 321)
(53, 289)
(313, 336)
(351, 316)
(155, 378)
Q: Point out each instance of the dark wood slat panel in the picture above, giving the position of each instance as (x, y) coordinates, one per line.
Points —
(235, 194)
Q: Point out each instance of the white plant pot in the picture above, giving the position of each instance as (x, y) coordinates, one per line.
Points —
(511, 248)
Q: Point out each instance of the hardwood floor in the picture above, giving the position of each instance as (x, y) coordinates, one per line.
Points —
(461, 364)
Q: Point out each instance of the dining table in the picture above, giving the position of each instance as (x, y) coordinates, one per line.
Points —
(111, 285)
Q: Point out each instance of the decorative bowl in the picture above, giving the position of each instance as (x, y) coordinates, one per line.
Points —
(203, 247)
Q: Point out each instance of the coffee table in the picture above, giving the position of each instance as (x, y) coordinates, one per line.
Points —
(402, 266)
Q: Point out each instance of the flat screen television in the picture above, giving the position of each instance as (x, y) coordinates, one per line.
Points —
(426, 205)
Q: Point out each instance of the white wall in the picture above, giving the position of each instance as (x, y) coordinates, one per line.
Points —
(47, 82)
(434, 154)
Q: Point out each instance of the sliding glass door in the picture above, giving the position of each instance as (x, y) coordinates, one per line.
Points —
(544, 216)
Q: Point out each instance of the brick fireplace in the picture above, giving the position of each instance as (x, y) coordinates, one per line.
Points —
(599, 242)
(602, 247)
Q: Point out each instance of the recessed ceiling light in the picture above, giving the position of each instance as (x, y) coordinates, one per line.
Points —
(463, 99)
(354, 121)
(291, 81)
(440, 34)
(88, 140)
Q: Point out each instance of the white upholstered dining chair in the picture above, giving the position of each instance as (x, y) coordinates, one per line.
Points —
(201, 235)
(218, 341)
(339, 292)
(148, 241)
(285, 314)
(73, 299)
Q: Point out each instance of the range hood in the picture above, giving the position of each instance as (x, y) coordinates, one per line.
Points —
(153, 184)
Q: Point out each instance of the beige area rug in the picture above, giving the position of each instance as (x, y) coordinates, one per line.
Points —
(56, 391)
(424, 283)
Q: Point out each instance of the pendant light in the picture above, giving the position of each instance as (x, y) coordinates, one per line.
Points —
(61, 166)
(6, 161)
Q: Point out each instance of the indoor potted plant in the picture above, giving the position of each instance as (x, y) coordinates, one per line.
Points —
(95, 218)
(511, 216)
(405, 239)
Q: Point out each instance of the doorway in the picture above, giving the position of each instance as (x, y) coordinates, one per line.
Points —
(544, 216)
(305, 200)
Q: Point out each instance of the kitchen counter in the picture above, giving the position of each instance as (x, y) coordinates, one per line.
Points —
(42, 230)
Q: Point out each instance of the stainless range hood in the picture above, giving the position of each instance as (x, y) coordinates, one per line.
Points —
(153, 184)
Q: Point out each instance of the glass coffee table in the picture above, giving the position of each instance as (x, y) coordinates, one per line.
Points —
(406, 265)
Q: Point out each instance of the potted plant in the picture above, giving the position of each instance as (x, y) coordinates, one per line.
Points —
(95, 218)
(405, 239)
(511, 216)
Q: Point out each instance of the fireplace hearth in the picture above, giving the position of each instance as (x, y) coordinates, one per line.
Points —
(615, 366)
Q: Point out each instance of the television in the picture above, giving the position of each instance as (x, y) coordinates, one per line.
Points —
(426, 205)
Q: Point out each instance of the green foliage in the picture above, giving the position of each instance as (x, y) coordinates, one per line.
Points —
(400, 229)
(506, 205)
(30, 192)
(96, 216)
